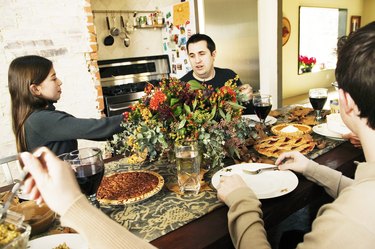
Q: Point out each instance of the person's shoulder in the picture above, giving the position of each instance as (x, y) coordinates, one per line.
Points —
(225, 71)
(43, 115)
(188, 76)
(226, 74)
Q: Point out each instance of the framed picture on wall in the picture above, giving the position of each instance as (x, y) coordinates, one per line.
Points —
(355, 23)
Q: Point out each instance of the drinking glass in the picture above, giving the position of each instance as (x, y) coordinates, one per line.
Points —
(262, 106)
(318, 97)
(88, 166)
(188, 166)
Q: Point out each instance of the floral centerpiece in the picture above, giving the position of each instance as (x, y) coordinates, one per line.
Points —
(174, 111)
(306, 63)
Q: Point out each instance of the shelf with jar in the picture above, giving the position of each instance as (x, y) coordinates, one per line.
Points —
(142, 19)
(155, 26)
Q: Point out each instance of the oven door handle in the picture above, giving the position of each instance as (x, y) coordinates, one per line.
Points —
(118, 109)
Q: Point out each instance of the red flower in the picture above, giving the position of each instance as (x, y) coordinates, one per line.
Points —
(158, 98)
(125, 115)
(148, 88)
(306, 61)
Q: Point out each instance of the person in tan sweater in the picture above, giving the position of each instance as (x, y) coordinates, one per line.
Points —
(349, 221)
(54, 182)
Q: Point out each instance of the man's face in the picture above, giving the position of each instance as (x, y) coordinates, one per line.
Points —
(201, 59)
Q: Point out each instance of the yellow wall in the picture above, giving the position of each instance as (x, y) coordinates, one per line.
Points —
(292, 83)
(368, 12)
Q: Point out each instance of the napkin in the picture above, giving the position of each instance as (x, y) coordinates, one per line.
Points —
(335, 124)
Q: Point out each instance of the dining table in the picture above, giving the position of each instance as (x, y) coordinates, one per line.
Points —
(201, 221)
(169, 220)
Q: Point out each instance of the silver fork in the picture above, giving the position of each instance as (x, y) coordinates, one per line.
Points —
(258, 171)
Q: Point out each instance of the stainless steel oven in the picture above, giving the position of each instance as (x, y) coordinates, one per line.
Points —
(123, 80)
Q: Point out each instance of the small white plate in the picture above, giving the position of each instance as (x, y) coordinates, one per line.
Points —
(72, 240)
(269, 120)
(267, 184)
(322, 129)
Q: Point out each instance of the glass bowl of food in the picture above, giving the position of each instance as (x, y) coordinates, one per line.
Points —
(14, 233)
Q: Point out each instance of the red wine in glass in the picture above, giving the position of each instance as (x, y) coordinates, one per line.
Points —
(89, 177)
(88, 167)
(318, 97)
(262, 111)
(262, 106)
(318, 102)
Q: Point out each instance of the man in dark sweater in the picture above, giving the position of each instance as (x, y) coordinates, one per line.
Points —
(202, 52)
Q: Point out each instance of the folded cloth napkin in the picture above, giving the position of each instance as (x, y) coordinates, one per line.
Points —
(335, 124)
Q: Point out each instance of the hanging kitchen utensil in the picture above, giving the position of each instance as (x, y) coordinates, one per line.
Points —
(123, 33)
(127, 40)
(108, 40)
(129, 26)
(114, 31)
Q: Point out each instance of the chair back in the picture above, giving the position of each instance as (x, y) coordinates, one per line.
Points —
(9, 171)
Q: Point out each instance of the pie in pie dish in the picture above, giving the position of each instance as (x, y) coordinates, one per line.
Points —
(275, 145)
(129, 187)
(292, 130)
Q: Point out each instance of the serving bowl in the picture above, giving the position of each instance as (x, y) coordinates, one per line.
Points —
(39, 217)
(15, 222)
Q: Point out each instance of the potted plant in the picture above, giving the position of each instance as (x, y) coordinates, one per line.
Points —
(306, 63)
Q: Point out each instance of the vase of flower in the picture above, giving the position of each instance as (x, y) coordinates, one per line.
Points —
(306, 64)
(306, 70)
(174, 111)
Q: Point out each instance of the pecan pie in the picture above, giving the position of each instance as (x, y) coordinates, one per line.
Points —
(275, 145)
(129, 187)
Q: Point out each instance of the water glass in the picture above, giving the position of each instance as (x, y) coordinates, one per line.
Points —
(318, 97)
(188, 166)
(88, 167)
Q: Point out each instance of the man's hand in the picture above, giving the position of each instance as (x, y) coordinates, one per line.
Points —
(247, 91)
(353, 139)
(228, 184)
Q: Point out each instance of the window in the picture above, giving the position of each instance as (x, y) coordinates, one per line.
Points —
(319, 31)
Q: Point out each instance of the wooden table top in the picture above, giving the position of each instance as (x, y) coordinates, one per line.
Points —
(211, 231)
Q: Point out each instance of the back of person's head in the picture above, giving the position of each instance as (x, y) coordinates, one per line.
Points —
(355, 70)
(201, 37)
(24, 71)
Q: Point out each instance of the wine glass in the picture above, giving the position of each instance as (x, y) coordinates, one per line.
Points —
(88, 167)
(318, 97)
(262, 106)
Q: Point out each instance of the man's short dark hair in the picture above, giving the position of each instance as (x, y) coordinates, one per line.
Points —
(355, 70)
(201, 37)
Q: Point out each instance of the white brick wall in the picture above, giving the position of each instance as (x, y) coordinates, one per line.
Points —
(58, 31)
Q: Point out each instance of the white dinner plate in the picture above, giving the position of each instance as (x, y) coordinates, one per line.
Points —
(72, 240)
(267, 184)
(322, 129)
(269, 120)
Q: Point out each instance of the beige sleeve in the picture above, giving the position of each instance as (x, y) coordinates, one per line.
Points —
(98, 229)
(332, 180)
(245, 222)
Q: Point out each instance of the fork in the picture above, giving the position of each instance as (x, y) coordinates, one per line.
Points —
(258, 171)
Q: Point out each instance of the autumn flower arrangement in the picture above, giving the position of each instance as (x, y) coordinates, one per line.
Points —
(306, 63)
(174, 111)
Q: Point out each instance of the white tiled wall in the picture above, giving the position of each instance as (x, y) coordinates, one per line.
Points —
(58, 31)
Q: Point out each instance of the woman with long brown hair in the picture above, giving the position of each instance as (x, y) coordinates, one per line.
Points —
(34, 88)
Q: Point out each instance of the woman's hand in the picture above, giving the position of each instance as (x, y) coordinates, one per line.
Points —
(228, 184)
(52, 180)
(292, 160)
